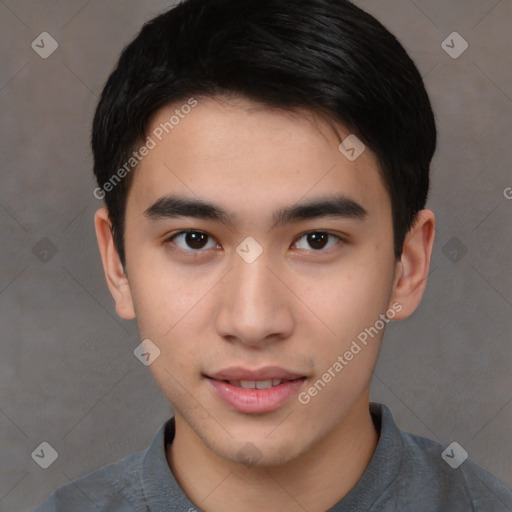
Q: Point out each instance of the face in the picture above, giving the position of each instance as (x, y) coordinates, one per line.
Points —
(257, 254)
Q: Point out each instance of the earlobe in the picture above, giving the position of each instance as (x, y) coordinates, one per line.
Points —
(115, 275)
(412, 269)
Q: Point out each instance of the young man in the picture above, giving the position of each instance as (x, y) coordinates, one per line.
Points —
(265, 168)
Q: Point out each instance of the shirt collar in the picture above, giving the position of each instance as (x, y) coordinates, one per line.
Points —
(162, 491)
(384, 466)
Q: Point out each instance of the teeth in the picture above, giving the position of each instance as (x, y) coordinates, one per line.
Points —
(256, 384)
(264, 384)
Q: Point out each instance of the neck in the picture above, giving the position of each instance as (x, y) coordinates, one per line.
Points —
(315, 481)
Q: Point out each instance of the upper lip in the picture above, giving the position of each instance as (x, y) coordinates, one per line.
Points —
(247, 374)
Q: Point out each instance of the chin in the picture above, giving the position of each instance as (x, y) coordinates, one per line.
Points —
(260, 452)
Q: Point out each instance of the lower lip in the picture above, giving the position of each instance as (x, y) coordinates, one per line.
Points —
(253, 401)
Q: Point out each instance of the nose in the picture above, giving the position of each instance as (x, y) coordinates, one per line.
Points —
(256, 307)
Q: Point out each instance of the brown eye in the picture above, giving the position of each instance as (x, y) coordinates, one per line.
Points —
(317, 240)
(192, 240)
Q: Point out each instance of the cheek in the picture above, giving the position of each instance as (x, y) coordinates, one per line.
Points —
(177, 367)
(172, 310)
(345, 360)
(353, 297)
(165, 298)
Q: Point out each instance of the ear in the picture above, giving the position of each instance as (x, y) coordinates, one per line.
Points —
(115, 275)
(412, 270)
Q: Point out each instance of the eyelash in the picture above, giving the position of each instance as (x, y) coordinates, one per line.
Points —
(170, 240)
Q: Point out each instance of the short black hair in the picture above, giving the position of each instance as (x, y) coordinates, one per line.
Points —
(328, 56)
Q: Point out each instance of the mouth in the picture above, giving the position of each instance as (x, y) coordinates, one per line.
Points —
(256, 384)
(252, 392)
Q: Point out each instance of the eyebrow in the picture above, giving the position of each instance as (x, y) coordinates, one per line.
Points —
(338, 206)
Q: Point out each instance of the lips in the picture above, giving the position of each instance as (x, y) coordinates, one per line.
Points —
(254, 391)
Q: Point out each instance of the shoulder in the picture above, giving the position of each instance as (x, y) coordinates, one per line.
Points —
(447, 477)
(116, 487)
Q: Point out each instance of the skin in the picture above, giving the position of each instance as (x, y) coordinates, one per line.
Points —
(293, 307)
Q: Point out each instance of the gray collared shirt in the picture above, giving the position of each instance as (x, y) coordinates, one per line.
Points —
(406, 473)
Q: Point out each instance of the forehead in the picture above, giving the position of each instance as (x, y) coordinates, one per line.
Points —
(247, 157)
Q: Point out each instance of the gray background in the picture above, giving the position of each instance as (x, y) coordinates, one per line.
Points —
(68, 375)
